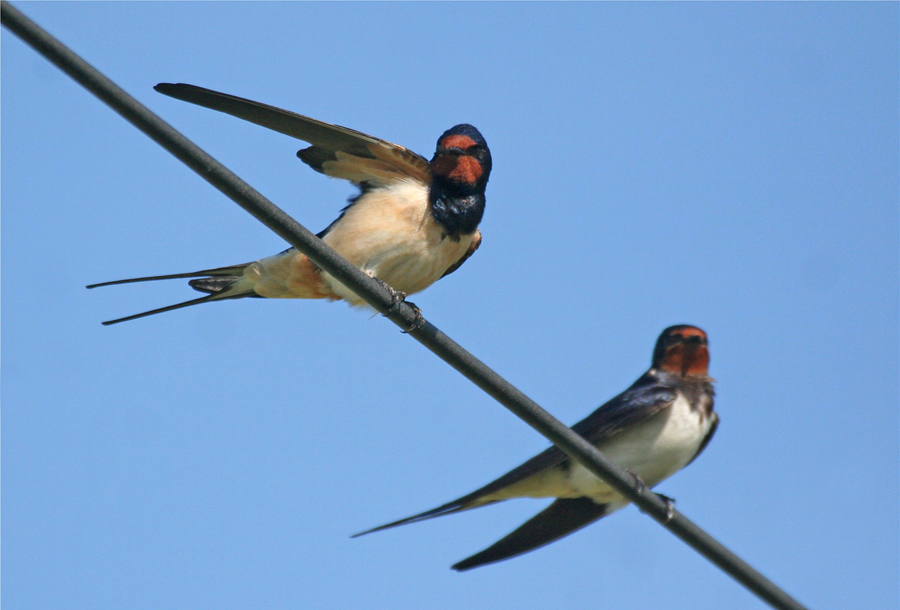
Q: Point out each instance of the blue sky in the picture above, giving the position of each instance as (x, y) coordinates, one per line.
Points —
(733, 166)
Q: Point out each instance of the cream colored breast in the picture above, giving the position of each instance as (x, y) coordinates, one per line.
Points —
(389, 233)
(654, 450)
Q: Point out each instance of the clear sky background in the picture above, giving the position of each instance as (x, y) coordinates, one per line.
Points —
(732, 166)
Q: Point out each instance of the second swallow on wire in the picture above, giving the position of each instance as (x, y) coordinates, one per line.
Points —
(653, 429)
(413, 222)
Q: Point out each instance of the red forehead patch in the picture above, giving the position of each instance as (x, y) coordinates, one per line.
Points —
(457, 141)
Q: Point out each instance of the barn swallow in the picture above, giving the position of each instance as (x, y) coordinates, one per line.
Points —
(653, 429)
(412, 223)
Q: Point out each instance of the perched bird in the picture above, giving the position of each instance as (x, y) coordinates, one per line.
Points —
(412, 223)
(653, 429)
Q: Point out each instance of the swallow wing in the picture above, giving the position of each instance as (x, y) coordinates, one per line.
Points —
(636, 404)
(641, 401)
(644, 399)
(709, 435)
(559, 519)
(476, 242)
(542, 461)
(336, 151)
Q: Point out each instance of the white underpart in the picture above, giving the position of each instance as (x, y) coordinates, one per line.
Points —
(390, 234)
(654, 450)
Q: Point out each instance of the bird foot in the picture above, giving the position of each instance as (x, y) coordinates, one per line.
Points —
(397, 298)
(670, 506)
(638, 481)
(418, 321)
(640, 486)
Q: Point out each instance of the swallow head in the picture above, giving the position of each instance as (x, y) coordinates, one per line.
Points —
(462, 159)
(682, 350)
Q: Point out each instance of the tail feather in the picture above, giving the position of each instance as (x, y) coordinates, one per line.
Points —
(214, 285)
(476, 499)
(546, 459)
(215, 282)
(559, 519)
(445, 509)
(207, 298)
(234, 270)
(160, 310)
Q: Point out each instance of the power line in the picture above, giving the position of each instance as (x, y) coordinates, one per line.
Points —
(385, 301)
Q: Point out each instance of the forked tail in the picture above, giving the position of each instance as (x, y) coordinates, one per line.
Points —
(219, 284)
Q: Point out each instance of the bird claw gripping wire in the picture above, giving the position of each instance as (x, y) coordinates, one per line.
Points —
(418, 321)
(640, 487)
(638, 481)
(670, 506)
(397, 298)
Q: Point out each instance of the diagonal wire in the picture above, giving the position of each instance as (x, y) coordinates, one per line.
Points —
(382, 298)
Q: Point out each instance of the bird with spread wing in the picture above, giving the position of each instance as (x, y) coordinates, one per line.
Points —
(413, 222)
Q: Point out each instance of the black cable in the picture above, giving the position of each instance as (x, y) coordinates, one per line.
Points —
(383, 300)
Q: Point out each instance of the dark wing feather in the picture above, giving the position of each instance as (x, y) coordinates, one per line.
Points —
(476, 242)
(336, 151)
(645, 398)
(642, 400)
(638, 403)
(543, 460)
(559, 519)
(709, 435)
